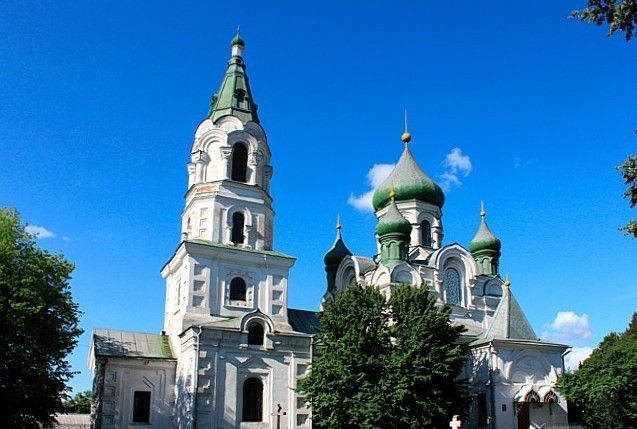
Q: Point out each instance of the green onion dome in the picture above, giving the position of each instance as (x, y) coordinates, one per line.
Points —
(484, 238)
(338, 251)
(392, 222)
(410, 183)
(237, 40)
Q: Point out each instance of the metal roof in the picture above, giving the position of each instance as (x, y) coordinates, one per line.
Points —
(114, 343)
(72, 421)
(509, 321)
(303, 321)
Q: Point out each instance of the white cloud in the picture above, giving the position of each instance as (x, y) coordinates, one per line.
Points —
(449, 180)
(375, 176)
(517, 161)
(455, 163)
(568, 327)
(39, 231)
(577, 356)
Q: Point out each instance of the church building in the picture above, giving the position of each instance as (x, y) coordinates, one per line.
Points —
(231, 351)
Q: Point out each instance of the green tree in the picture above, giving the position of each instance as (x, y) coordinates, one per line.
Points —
(604, 388)
(345, 386)
(425, 362)
(81, 403)
(38, 327)
(385, 364)
(629, 172)
(620, 15)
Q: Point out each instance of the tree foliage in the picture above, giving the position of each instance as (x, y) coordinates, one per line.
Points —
(629, 173)
(620, 15)
(38, 327)
(345, 386)
(80, 403)
(385, 364)
(605, 385)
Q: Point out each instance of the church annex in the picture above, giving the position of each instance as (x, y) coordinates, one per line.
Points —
(231, 351)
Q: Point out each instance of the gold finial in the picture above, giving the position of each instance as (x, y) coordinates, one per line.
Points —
(483, 213)
(406, 137)
(392, 193)
(507, 282)
(338, 222)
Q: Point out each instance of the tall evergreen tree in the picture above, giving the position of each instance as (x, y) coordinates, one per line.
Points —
(38, 328)
(425, 362)
(604, 388)
(383, 364)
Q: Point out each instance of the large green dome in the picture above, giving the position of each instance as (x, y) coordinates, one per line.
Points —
(409, 183)
(392, 222)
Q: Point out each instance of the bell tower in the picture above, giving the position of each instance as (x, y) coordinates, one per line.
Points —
(228, 201)
(225, 267)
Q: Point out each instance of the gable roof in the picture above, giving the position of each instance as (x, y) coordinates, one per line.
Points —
(509, 321)
(127, 344)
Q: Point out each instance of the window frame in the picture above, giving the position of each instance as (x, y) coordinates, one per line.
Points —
(232, 297)
(426, 239)
(459, 285)
(252, 412)
(138, 396)
(237, 234)
(256, 331)
(239, 167)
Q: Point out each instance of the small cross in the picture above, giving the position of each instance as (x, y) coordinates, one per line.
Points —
(455, 423)
(279, 413)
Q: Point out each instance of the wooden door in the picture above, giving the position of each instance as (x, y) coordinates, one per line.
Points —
(523, 415)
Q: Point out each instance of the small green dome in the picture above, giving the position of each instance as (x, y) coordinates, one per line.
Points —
(484, 238)
(409, 183)
(392, 222)
(237, 40)
(337, 252)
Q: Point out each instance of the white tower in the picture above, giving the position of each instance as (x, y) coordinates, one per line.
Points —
(225, 266)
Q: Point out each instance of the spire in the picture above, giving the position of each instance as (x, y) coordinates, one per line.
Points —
(485, 247)
(406, 137)
(335, 255)
(234, 96)
(509, 321)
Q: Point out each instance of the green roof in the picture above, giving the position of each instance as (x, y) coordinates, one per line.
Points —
(126, 344)
(484, 238)
(392, 222)
(237, 40)
(409, 183)
(238, 248)
(509, 321)
(234, 97)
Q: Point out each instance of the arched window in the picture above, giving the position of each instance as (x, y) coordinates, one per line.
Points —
(451, 282)
(252, 400)
(237, 227)
(239, 162)
(237, 289)
(255, 334)
(425, 233)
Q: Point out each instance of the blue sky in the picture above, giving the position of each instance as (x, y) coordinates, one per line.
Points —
(99, 104)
